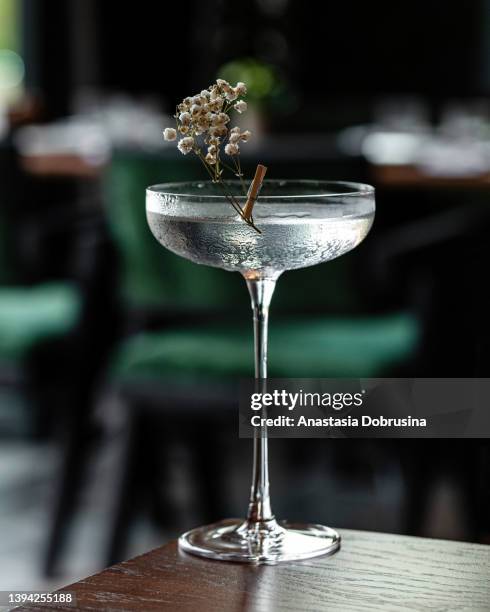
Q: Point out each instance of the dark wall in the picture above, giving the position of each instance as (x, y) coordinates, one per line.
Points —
(385, 47)
(47, 53)
(327, 51)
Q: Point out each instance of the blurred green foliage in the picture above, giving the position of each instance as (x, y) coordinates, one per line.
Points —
(266, 86)
(9, 26)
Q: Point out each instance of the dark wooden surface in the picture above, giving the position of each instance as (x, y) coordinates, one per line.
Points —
(372, 571)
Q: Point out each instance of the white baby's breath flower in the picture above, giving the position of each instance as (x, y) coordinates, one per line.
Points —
(211, 159)
(185, 118)
(185, 104)
(240, 106)
(222, 84)
(212, 149)
(246, 135)
(226, 89)
(169, 134)
(222, 118)
(216, 105)
(231, 94)
(218, 130)
(185, 145)
(241, 89)
(196, 110)
(235, 129)
(232, 149)
(184, 129)
(234, 137)
(201, 125)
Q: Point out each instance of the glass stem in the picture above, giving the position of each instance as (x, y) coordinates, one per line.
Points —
(259, 510)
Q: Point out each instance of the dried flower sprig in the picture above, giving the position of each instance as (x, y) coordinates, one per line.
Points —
(202, 122)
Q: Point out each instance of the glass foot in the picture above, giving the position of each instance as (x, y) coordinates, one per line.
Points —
(267, 542)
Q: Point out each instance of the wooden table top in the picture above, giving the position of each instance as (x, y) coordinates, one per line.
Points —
(372, 571)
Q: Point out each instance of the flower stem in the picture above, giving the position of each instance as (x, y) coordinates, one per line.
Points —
(228, 193)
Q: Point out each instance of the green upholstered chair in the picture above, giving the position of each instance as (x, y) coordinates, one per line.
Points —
(313, 348)
(30, 315)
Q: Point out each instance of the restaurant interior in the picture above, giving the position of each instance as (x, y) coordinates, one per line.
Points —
(119, 360)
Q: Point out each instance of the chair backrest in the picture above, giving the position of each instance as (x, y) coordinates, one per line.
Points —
(152, 276)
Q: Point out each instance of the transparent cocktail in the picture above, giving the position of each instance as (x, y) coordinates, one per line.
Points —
(301, 223)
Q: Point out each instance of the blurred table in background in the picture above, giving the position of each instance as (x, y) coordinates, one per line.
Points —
(372, 571)
(82, 150)
(63, 165)
(407, 176)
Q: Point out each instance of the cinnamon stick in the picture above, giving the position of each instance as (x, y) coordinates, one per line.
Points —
(253, 191)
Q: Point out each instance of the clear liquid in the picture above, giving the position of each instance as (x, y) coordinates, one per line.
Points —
(288, 241)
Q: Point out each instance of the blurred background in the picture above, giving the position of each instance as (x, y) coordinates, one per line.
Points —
(118, 360)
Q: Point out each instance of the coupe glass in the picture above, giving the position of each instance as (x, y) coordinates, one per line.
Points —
(302, 223)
